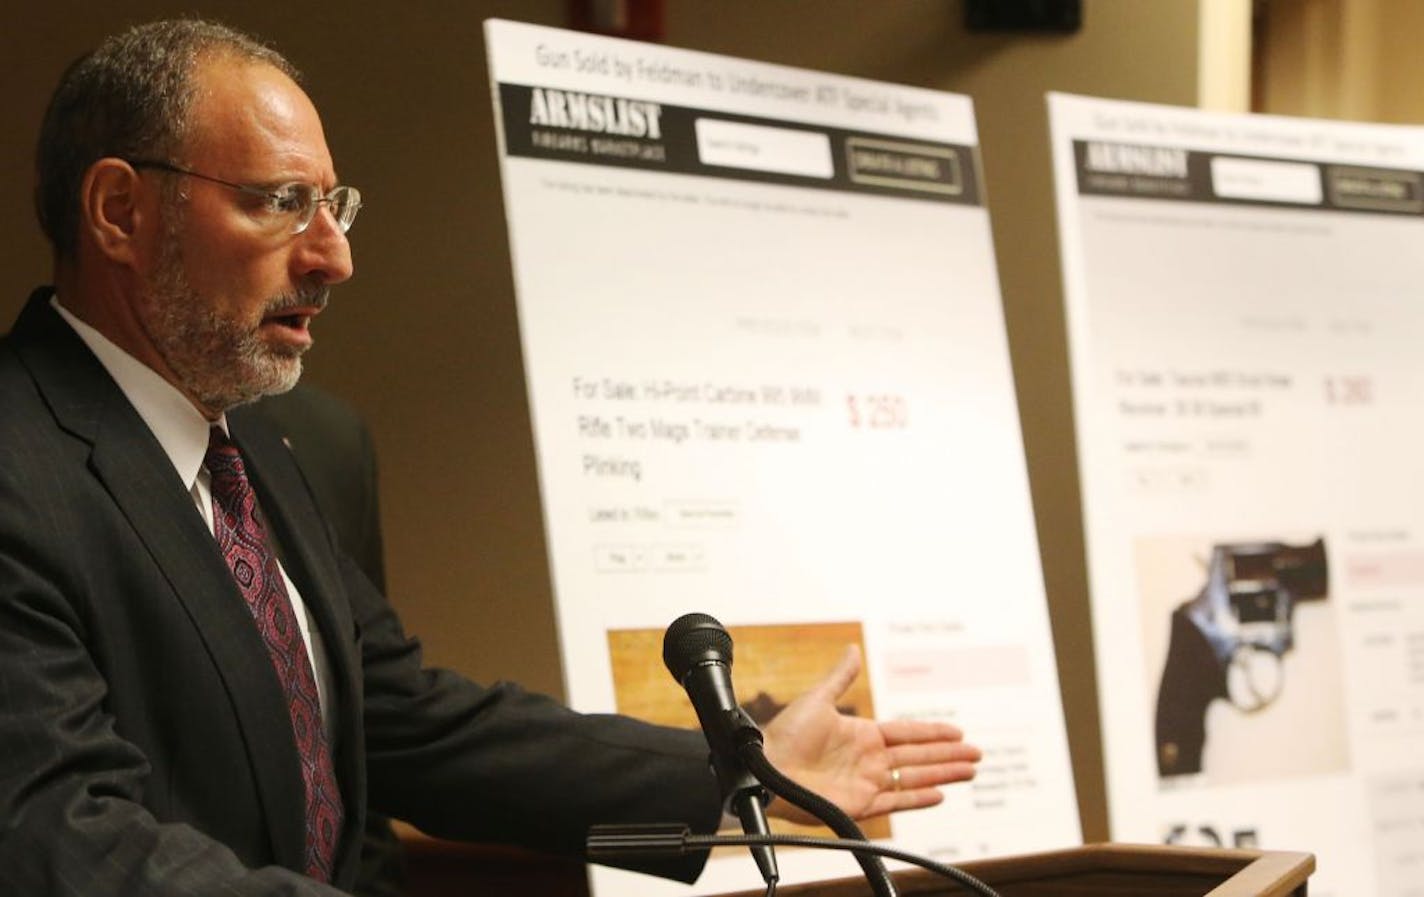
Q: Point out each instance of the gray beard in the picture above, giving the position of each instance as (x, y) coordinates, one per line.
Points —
(218, 361)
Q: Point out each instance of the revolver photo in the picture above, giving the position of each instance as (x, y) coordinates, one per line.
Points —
(1243, 614)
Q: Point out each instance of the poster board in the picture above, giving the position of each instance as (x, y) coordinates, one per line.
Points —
(1245, 316)
(769, 381)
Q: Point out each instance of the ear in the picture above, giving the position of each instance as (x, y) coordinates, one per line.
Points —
(115, 207)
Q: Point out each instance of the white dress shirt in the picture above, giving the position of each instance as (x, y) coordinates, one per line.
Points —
(183, 433)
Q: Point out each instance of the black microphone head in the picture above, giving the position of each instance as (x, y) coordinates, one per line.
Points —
(693, 639)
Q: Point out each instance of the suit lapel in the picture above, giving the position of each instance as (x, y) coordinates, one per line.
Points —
(131, 464)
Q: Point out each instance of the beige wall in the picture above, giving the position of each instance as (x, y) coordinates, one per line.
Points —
(424, 339)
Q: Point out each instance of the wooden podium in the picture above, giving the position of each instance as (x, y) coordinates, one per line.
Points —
(440, 868)
(1103, 870)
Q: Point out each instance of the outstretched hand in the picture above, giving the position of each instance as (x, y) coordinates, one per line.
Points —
(866, 768)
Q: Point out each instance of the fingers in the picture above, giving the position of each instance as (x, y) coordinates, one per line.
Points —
(916, 798)
(840, 678)
(916, 787)
(919, 787)
(905, 731)
(920, 768)
(904, 755)
(931, 776)
(908, 799)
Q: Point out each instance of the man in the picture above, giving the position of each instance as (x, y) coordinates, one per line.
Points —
(199, 692)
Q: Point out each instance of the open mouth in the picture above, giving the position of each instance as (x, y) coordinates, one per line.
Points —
(292, 321)
(291, 327)
(289, 319)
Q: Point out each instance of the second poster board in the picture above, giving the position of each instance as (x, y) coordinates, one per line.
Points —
(1245, 301)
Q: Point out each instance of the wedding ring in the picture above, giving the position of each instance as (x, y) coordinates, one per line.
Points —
(895, 778)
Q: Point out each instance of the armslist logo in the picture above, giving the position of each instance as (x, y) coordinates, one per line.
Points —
(1124, 158)
(594, 113)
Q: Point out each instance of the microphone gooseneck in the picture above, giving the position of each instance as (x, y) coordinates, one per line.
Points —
(613, 842)
(833, 816)
(698, 653)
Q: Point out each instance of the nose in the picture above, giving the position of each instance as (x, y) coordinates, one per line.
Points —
(322, 251)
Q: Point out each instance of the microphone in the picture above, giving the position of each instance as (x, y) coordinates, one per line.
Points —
(698, 652)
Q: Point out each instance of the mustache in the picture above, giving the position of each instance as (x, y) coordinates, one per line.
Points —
(316, 297)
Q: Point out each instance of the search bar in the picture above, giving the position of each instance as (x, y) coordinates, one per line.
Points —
(760, 148)
(1295, 182)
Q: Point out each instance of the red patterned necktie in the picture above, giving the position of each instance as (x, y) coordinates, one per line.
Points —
(242, 538)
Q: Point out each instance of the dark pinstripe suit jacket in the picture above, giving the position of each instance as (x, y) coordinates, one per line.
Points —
(144, 745)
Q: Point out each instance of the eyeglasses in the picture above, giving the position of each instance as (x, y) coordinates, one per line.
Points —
(295, 202)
